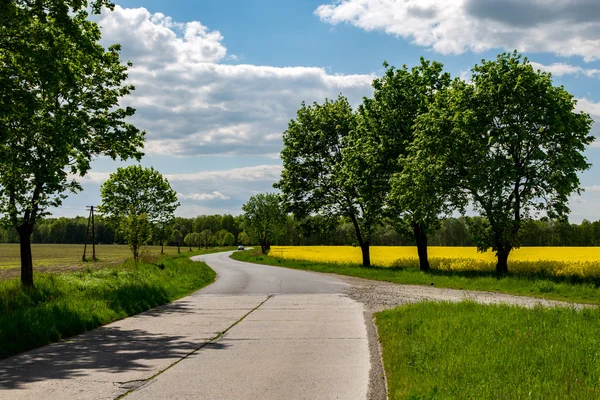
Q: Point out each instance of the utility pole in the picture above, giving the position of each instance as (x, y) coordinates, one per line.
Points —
(87, 234)
(93, 235)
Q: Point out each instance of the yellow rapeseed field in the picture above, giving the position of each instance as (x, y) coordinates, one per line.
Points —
(582, 261)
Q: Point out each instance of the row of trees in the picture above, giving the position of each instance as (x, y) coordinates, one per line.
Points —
(199, 232)
(509, 143)
(210, 230)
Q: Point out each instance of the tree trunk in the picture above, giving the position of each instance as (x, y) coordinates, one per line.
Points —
(421, 239)
(364, 245)
(263, 247)
(366, 254)
(502, 265)
(25, 232)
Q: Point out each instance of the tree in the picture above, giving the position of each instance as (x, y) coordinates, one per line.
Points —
(378, 148)
(511, 142)
(229, 239)
(243, 238)
(205, 238)
(136, 230)
(137, 191)
(316, 177)
(58, 110)
(264, 218)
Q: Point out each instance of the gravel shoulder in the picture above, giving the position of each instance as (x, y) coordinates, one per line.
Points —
(378, 295)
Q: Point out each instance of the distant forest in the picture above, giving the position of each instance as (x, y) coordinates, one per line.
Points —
(213, 230)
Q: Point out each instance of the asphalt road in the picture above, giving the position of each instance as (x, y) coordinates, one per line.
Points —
(258, 332)
(236, 277)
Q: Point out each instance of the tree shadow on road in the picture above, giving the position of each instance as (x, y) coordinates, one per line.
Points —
(104, 350)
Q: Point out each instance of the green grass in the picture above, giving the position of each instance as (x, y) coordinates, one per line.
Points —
(473, 351)
(571, 289)
(69, 255)
(62, 305)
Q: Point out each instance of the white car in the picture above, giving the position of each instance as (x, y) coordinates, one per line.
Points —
(240, 247)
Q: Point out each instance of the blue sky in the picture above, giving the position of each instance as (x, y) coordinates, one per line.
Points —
(217, 82)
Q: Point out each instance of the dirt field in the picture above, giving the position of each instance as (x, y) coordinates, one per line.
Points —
(60, 257)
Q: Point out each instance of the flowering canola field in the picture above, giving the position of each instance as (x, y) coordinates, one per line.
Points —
(582, 261)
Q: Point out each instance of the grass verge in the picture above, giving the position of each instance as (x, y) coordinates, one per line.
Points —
(571, 289)
(472, 351)
(62, 305)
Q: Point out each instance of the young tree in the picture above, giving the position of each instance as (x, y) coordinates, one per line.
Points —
(136, 230)
(59, 108)
(229, 239)
(316, 177)
(512, 144)
(205, 238)
(243, 238)
(378, 147)
(133, 192)
(264, 218)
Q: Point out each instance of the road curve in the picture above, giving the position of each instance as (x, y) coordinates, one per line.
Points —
(235, 277)
(304, 339)
(258, 332)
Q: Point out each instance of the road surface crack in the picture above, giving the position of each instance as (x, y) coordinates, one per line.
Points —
(135, 384)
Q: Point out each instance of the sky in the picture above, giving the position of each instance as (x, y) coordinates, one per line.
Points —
(218, 81)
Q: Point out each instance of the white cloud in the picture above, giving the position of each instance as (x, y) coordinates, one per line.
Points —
(244, 174)
(560, 69)
(566, 28)
(589, 107)
(592, 108)
(191, 103)
(206, 192)
(202, 196)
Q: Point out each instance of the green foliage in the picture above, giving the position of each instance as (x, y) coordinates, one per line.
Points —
(243, 238)
(59, 108)
(382, 141)
(264, 218)
(137, 232)
(136, 190)
(229, 239)
(512, 144)
(135, 197)
(62, 305)
(317, 177)
(474, 351)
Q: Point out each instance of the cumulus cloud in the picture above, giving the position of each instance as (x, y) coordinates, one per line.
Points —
(592, 108)
(234, 175)
(207, 192)
(191, 102)
(566, 28)
(560, 69)
(588, 106)
(202, 196)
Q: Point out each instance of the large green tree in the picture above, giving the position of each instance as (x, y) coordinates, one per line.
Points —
(317, 177)
(264, 218)
(377, 150)
(59, 108)
(511, 142)
(135, 197)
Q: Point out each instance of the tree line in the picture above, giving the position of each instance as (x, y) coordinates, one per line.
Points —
(507, 142)
(213, 230)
